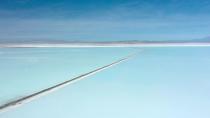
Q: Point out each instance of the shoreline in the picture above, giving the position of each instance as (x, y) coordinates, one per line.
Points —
(105, 44)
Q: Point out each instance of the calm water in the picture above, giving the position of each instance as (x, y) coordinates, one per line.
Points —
(157, 83)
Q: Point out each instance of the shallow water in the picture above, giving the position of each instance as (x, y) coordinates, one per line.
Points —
(158, 82)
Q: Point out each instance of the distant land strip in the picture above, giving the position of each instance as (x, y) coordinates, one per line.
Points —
(105, 44)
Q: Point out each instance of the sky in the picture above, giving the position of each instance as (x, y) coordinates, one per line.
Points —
(104, 20)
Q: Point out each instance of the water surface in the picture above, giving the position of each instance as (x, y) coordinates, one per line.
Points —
(157, 83)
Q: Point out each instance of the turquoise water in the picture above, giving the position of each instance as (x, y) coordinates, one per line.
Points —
(157, 83)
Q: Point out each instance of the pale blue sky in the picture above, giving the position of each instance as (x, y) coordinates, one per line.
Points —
(104, 19)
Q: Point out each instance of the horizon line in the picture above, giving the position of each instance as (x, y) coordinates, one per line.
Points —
(105, 44)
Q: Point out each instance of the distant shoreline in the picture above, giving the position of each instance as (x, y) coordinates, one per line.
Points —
(104, 44)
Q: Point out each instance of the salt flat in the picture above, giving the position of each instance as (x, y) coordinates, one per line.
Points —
(159, 82)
